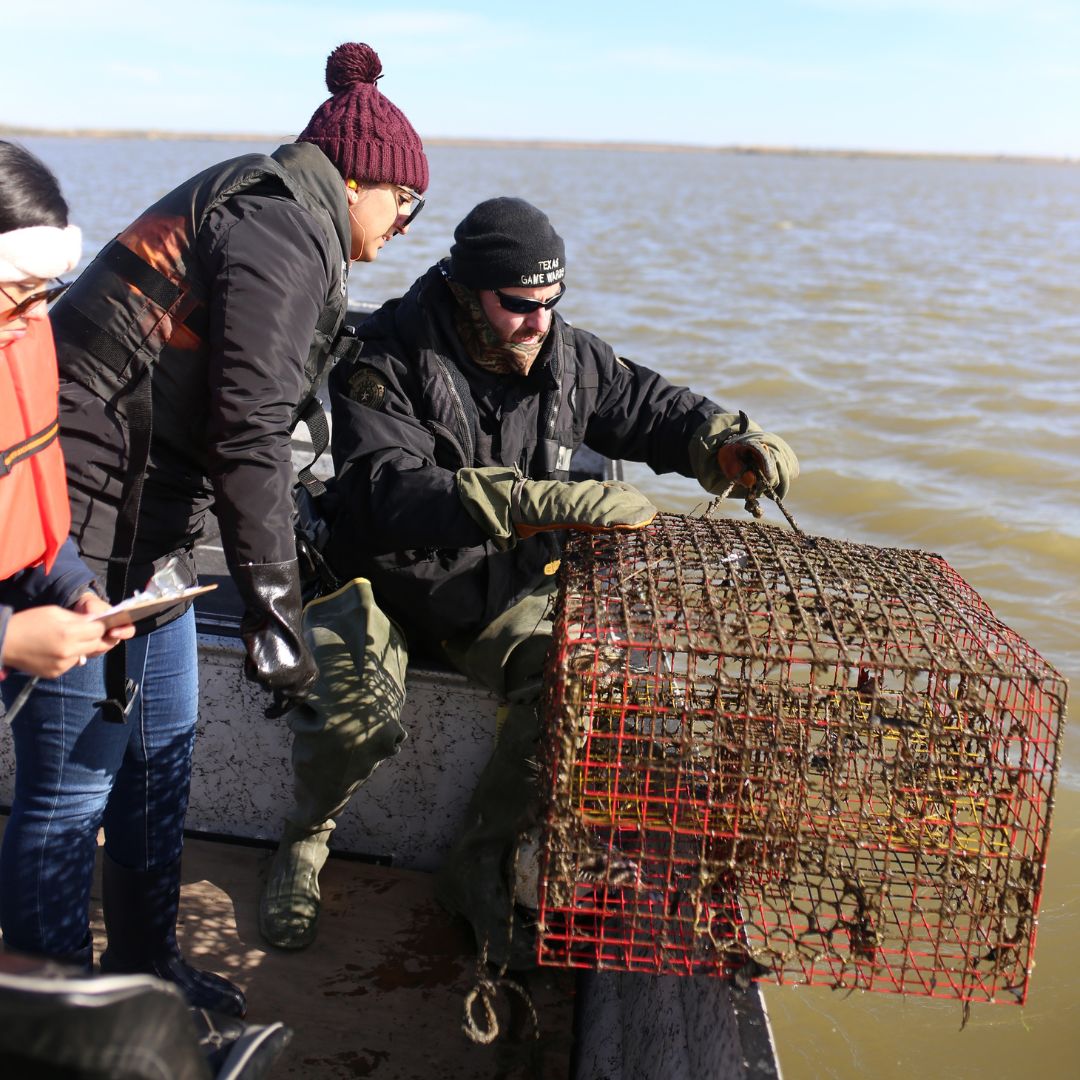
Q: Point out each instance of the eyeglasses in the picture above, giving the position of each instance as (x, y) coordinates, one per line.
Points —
(19, 309)
(405, 217)
(521, 305)
(416, 203)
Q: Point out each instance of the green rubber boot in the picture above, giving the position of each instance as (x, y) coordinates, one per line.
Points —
(289, 905)
(479, 877)
(348, 725)
(475, 879)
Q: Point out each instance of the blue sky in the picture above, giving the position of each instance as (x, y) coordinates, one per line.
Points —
(969, 76)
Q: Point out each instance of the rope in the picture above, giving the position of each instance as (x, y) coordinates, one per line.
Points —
(485, 990)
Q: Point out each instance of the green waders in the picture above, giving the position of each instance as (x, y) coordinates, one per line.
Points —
(475, 880)
(350, 723)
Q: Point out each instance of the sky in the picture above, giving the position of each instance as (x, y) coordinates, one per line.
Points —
(937, 76)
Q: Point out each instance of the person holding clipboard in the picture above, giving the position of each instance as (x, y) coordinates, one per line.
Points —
(51, 620)
(188, 349)
(45, 588)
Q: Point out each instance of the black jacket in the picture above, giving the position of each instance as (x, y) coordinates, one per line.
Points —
(245, 289)
(413, 409)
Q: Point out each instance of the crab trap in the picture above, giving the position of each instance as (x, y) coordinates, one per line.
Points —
(777, 756)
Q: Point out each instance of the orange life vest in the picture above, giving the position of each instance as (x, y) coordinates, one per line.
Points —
(34, 514)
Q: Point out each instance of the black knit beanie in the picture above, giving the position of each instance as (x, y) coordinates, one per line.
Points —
(505, 242)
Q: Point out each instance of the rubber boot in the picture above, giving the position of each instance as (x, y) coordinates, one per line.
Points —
(348, 725)
(474, 879)
(289, 905)
(140, 908)
(482, 872)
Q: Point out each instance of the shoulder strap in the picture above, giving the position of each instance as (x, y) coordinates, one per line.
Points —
(314, 416)
(555, 453)
(32, 444)
(119, 689)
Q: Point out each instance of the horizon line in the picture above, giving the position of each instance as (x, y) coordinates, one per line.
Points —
(156, 134)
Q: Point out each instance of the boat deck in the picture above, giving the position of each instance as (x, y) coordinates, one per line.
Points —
(381, 991)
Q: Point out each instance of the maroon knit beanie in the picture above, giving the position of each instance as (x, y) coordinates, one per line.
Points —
(363, 133)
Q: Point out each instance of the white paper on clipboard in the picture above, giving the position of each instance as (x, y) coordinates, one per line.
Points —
(140, 607)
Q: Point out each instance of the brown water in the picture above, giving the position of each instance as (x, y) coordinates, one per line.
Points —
(913, 329)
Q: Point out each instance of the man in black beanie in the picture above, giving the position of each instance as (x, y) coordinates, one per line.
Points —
(453, 438)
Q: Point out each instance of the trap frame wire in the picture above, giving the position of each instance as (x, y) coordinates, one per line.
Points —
(772, 755)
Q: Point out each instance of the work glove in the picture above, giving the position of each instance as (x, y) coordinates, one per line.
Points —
(731, 449)
(509, 506)
(276, 654)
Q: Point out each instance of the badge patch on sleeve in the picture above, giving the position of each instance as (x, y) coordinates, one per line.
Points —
(367, 387)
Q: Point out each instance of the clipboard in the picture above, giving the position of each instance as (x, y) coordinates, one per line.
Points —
(135, 607)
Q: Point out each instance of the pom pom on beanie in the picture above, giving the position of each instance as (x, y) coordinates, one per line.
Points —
(361, 131)
(351, 64)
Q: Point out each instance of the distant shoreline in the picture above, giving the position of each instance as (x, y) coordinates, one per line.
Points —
(13, 131)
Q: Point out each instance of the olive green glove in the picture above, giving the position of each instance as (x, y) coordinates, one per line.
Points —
(731, 449)
(508, 506)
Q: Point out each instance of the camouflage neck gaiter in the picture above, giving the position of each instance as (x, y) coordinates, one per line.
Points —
(482, 344)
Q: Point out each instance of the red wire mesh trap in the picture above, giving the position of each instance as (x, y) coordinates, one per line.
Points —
(775, 755)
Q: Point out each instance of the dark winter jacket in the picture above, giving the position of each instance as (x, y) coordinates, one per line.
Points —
(413, 410)
(244, 292)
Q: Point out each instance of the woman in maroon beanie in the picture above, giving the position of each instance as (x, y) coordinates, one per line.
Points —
(187, 351)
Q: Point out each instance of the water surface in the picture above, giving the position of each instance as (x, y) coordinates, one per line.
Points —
(911, 327)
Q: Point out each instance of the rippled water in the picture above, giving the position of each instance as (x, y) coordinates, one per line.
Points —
(911, 327)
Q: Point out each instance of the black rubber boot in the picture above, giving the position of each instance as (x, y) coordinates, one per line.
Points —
(140, 909)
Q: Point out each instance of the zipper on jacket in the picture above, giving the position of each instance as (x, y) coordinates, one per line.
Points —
(459, 413)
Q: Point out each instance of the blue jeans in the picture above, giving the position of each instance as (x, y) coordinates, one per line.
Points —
(76, 772)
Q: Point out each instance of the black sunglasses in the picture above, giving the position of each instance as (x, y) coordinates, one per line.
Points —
(519, 305)
(18, 310)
